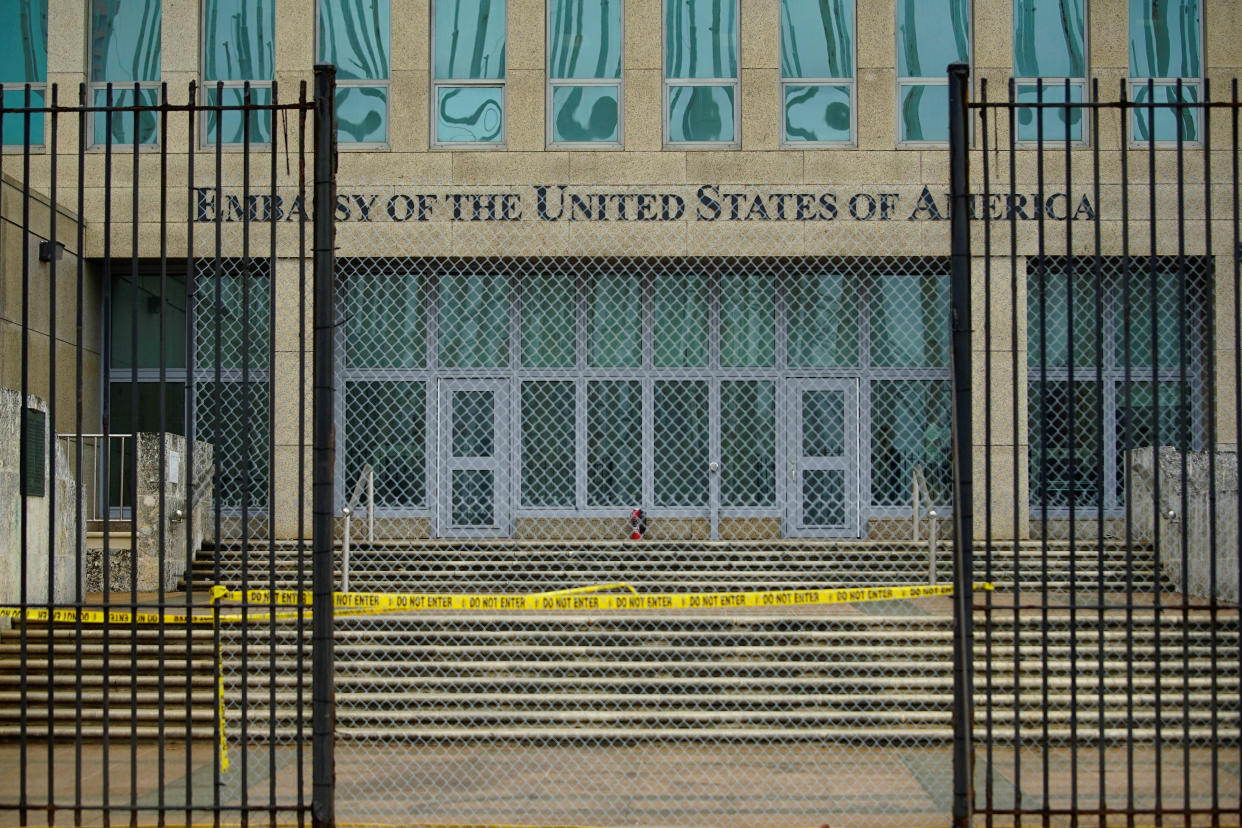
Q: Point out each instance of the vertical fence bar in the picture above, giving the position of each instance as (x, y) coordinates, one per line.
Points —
(1123, 115)
(23, 461)
(105, 352)
(51, 467)
(271, 463)
(989, 796)
(1097, 264)
(323, 702)
(1012, 218)
(959, 183)
(246, 448)
(133, 464)
(1154, 331)
(79, 501)
(161, 522)
(191, 428)
(301, 584)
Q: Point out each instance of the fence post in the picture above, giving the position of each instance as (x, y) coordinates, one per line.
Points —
(323, 712)
(963, 668)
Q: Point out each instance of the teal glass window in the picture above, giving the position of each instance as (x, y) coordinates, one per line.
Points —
(679, 310)
(548, 446)
(911, 426)
(747, 319)
(614, 321)
(614, 428)
(387, 322)
(386, 427)
(584, 71)
(125, 52)
(23, 60)
(701, 92)
(909, 321)
(1166, 47)
(548, 329)
(823, 312)
(931, 34)
(238, 48)
(680, 443)
(747, 443)
(817, 71)
(1050, 43)
(469, 71)
(354, 35)
(474, 320)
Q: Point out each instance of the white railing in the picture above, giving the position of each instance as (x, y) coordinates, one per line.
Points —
(98, 506)
(367, 478)
(923, 506)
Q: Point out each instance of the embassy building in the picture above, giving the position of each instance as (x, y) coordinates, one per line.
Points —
(685, 256)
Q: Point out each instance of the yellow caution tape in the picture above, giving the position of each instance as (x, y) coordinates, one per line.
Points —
(593, 598)
(590, 598)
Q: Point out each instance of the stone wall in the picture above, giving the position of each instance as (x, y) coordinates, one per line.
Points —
(1193, 526)
(48, 554)
(160, 568)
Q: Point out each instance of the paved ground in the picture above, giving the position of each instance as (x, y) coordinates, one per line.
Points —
(607, 786)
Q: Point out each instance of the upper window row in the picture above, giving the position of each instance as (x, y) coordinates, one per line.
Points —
(701, 94)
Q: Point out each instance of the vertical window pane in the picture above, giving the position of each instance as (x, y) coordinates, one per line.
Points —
(548, 444)
(548, 320)
(1048, 37)
(1161, 122)
(701, 114)
(909, 321)
(817, 113)
(1054, 304)
(23, 42)
(362, 114)
(910, 425)
(700, 38)
(747, 320)
(469, 39)
(130, 417)
(243, 330)
(1054, 117)
(1065, 455)
(924, 112)
(470, 114)
(14, 129)
(237, 39)
(125, 41)
(148, 322)
(584, 39)
(1167, 347)
(614, 433)
(242, 417)
(823, 321)
(473, 497)
(474, 423)
(386, 426)
(585, 113)
(386, 320)
(680, 443)
(817, 39)
(354, 34)
(1165, 39)
(614, 321)
(228, 125)
(679, 308)
(747, 443)
(474, 320)
(121, 125)
(931, 34)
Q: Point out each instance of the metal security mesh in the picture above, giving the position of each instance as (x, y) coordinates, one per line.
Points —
(513, 390)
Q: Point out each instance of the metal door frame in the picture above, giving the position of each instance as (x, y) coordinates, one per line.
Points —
(446, 463)
(795, 460)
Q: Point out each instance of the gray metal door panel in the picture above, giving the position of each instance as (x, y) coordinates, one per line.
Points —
(472, 491)
(822, 458)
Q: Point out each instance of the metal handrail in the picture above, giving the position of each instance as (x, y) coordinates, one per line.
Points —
(921, 496)
(100, 505)
(367, 477)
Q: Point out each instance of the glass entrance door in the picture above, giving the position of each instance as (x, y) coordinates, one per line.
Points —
(472, 496)
(823, 458)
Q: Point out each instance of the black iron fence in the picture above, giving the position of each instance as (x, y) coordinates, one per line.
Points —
(130, 689)
(1101, 242)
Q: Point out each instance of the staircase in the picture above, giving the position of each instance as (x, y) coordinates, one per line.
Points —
(877, 673)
